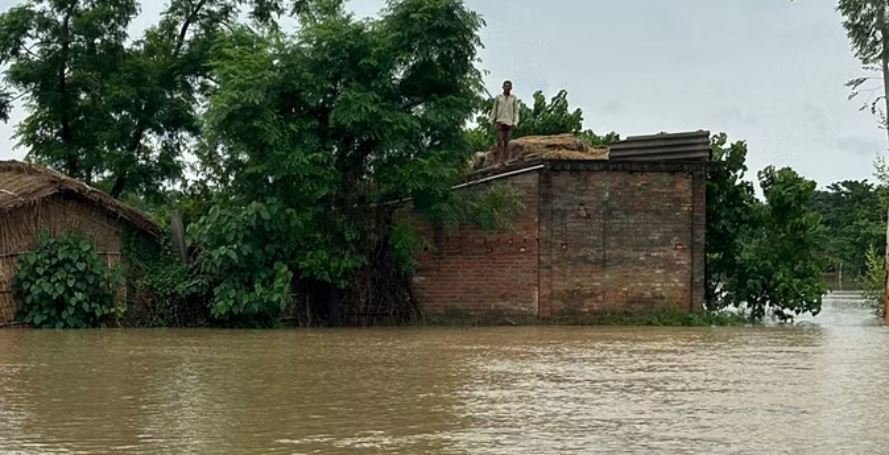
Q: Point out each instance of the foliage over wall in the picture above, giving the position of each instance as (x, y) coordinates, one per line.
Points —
(315, 135)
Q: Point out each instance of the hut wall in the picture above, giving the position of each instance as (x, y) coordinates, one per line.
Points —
(20, 228)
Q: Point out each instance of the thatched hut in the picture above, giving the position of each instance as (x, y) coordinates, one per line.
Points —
(34, 199)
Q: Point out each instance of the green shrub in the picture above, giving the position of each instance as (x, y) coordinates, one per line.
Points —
(175, 294)
(236, 305)
(63, 283)
(493, 208)
(248, 259)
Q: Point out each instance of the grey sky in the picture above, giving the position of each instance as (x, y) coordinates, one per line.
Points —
(770, 72)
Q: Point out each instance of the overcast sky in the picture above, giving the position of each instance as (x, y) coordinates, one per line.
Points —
(770, 72)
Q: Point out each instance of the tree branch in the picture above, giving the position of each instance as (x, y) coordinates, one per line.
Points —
(186, 24)
(120, 181)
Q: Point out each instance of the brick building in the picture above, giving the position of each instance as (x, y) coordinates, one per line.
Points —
(623, 234)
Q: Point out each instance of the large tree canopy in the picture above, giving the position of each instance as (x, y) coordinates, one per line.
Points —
(314, 136)
(61, 57)
(105, 108)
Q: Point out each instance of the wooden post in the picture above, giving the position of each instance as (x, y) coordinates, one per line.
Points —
(177, 231)
(886, 285)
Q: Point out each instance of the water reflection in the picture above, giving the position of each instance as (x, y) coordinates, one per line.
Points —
(818, 387)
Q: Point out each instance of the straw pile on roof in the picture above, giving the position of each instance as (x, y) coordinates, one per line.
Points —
(535, 148)
(23, 184)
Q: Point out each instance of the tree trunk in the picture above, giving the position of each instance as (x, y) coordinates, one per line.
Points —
(120, 181)
(885, 68)
(886, 283)
(177, 233)
(381, 293)
(71, 159)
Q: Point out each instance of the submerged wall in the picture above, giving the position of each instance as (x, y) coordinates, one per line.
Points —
(622, 237)
(474, 270)
(595, 236)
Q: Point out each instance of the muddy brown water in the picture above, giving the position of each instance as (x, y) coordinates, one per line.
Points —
(822, 387)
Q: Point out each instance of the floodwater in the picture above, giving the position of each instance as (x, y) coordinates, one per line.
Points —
(820, 387)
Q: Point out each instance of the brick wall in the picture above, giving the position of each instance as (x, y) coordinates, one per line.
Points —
(478, 271)
(621, 238)
(594, 236)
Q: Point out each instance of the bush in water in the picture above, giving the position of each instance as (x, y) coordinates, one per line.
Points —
(63, 283)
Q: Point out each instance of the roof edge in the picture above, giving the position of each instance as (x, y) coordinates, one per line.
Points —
(58, 183)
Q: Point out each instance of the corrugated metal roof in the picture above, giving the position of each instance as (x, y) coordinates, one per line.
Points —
(688, 146)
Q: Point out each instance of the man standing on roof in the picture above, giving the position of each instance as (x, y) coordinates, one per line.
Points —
(505, 117)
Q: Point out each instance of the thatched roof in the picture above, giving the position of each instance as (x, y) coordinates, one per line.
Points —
(25, 183)
(534, 148)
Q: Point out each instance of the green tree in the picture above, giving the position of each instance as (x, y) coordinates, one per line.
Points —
(763, 256)
(58, 55)
(867, 27)
(102, 108)
(783, 266)
(314, 136)
(852, 213)
(730, 201)
(153, 96)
